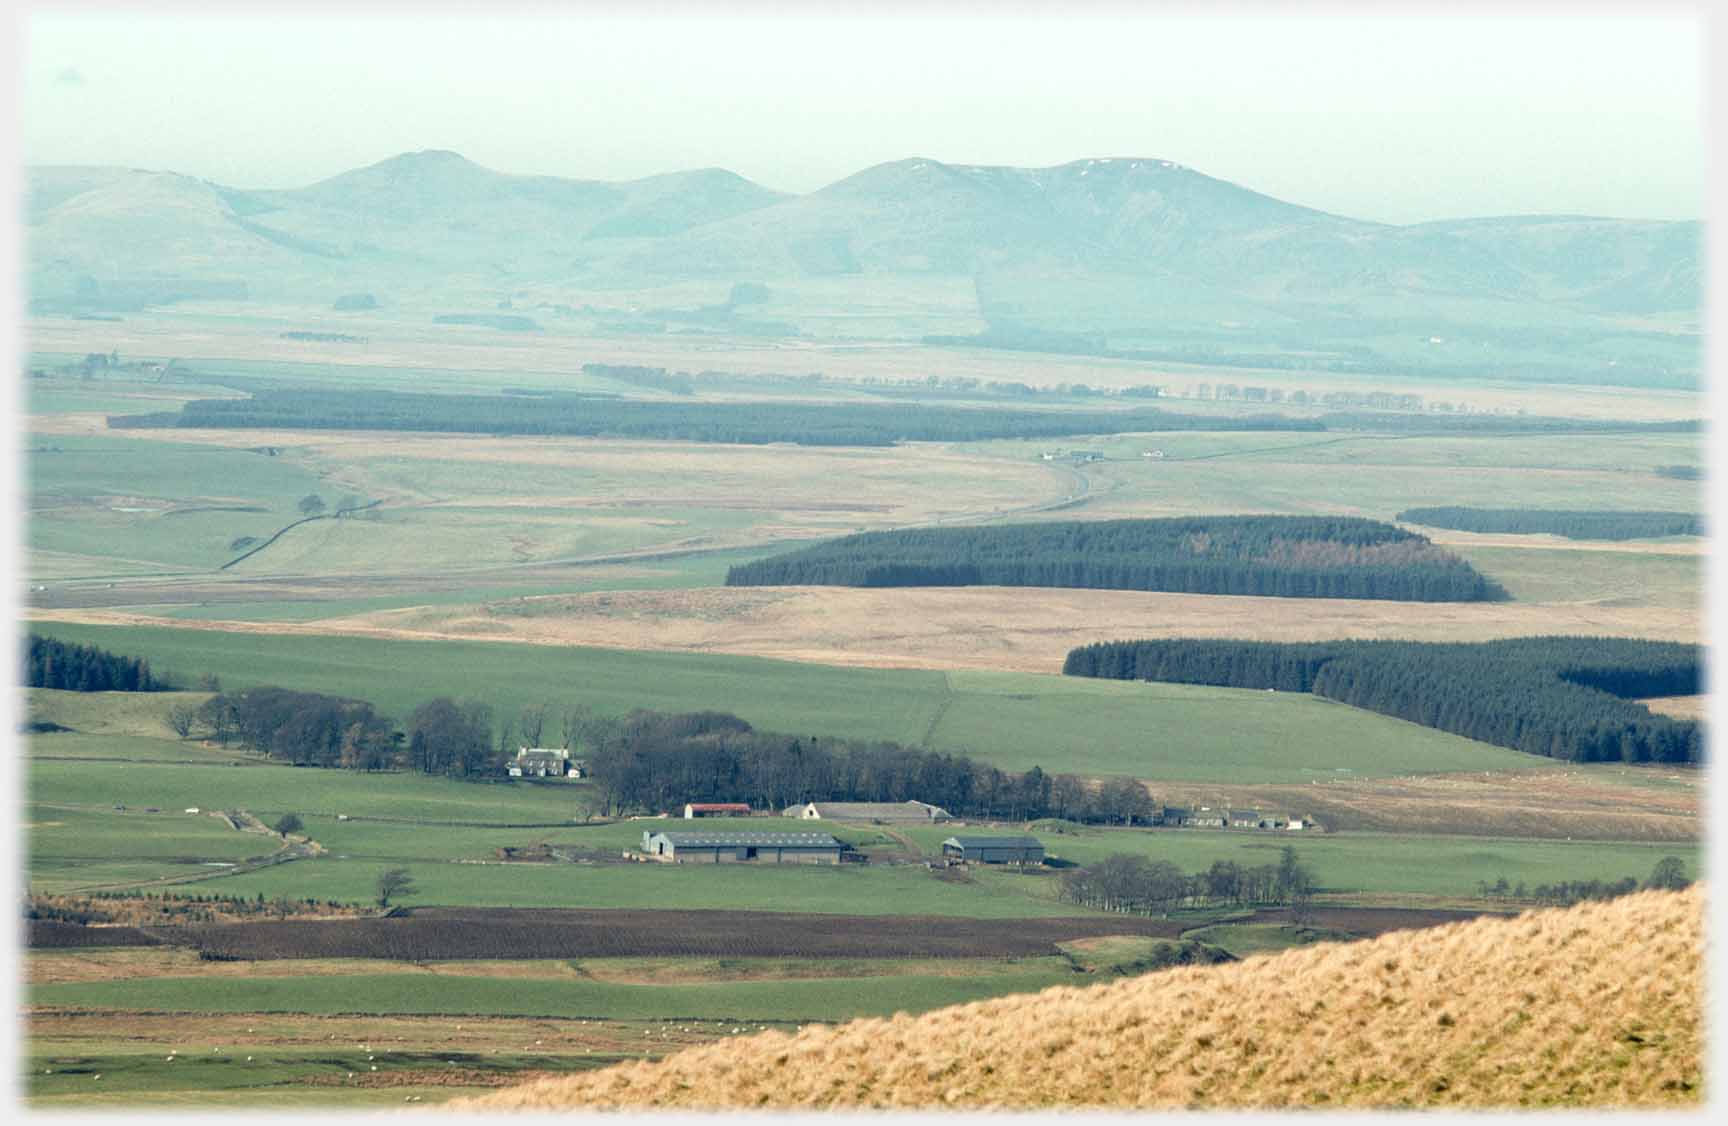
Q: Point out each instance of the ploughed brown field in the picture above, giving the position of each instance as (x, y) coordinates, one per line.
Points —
(445, 933)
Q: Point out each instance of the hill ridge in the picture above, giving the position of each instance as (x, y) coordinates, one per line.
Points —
(1536, 1010)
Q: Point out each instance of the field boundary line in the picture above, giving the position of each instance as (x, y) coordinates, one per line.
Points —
(282, 531)
(941, 708)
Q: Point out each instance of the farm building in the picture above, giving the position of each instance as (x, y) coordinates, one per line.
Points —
(994, 850)
(905, 812)
(730, 848)
(544, 762)
(697, 809)
(1172, 815)
(1206, 818)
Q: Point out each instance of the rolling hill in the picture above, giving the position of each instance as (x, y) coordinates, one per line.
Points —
(1599, 1005)
(1144, 252)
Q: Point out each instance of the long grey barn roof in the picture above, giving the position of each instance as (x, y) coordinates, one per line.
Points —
(995, 842)
(728, 840)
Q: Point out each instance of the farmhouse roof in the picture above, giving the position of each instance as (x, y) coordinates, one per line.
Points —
(730, 840)
(994, 842)
(876, 810)
(707, 806)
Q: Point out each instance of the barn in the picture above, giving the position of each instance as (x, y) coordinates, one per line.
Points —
(994, 850)
(695, 809)
(732, 848)
(906, 812)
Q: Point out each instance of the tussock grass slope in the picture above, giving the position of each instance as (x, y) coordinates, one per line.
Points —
(1598, 1005)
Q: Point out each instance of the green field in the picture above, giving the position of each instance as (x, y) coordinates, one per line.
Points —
(291, 1079)
(680, 572)
(1377, 476)
(449, 833)
(1014, 720)
(1372, 863)
(1614, 578)
(452, 994)
(267, 790)
(111, 498)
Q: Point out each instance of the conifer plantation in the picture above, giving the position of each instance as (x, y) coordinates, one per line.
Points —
(84, 668)
(1563, 697)
(1281, 556)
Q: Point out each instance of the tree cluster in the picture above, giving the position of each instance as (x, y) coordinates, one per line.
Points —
(442, 736)
(1133, 885)
(49, 663)
(1284, 556)
(653, 761)
(811, 424)
(1554, 522)
(302, 728)
(1668, 875)
(1564, 697)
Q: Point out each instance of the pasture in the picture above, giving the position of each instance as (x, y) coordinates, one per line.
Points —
(1371, 864)
(444, 994)
(1013, 720)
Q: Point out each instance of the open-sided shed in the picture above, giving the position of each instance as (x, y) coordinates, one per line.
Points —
(731, 848)
(975, 849)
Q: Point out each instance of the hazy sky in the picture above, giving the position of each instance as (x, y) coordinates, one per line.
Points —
(1400, 117)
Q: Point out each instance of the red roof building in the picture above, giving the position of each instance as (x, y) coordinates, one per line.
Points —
(717, 809)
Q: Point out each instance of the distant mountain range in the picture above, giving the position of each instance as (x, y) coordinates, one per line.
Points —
(1127, 249)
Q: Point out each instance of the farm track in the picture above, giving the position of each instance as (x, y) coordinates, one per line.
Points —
(470, 933)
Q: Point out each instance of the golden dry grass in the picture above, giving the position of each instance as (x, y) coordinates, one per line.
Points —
(1610, 802)
(1599, 1005)
(1680, 707)
(1023, 629)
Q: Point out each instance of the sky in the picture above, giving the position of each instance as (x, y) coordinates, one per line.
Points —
(1390, 114)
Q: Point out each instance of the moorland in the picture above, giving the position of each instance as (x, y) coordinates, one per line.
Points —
(547, 585)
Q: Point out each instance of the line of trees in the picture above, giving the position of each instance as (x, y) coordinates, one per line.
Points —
(1564, 697)
(1284, 556)
(1668, 875)
(50, 663)
(812, 424)
(652, 761)
(1137, 886)
(1581, 525)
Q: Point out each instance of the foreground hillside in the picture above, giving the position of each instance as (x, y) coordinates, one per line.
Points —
(1599, 1005)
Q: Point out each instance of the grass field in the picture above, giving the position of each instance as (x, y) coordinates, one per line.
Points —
(707, 569)
(169, 498)
(453, 995)
(1014, 720)
(1371, 863)
(1604, 578)
(170, 504)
